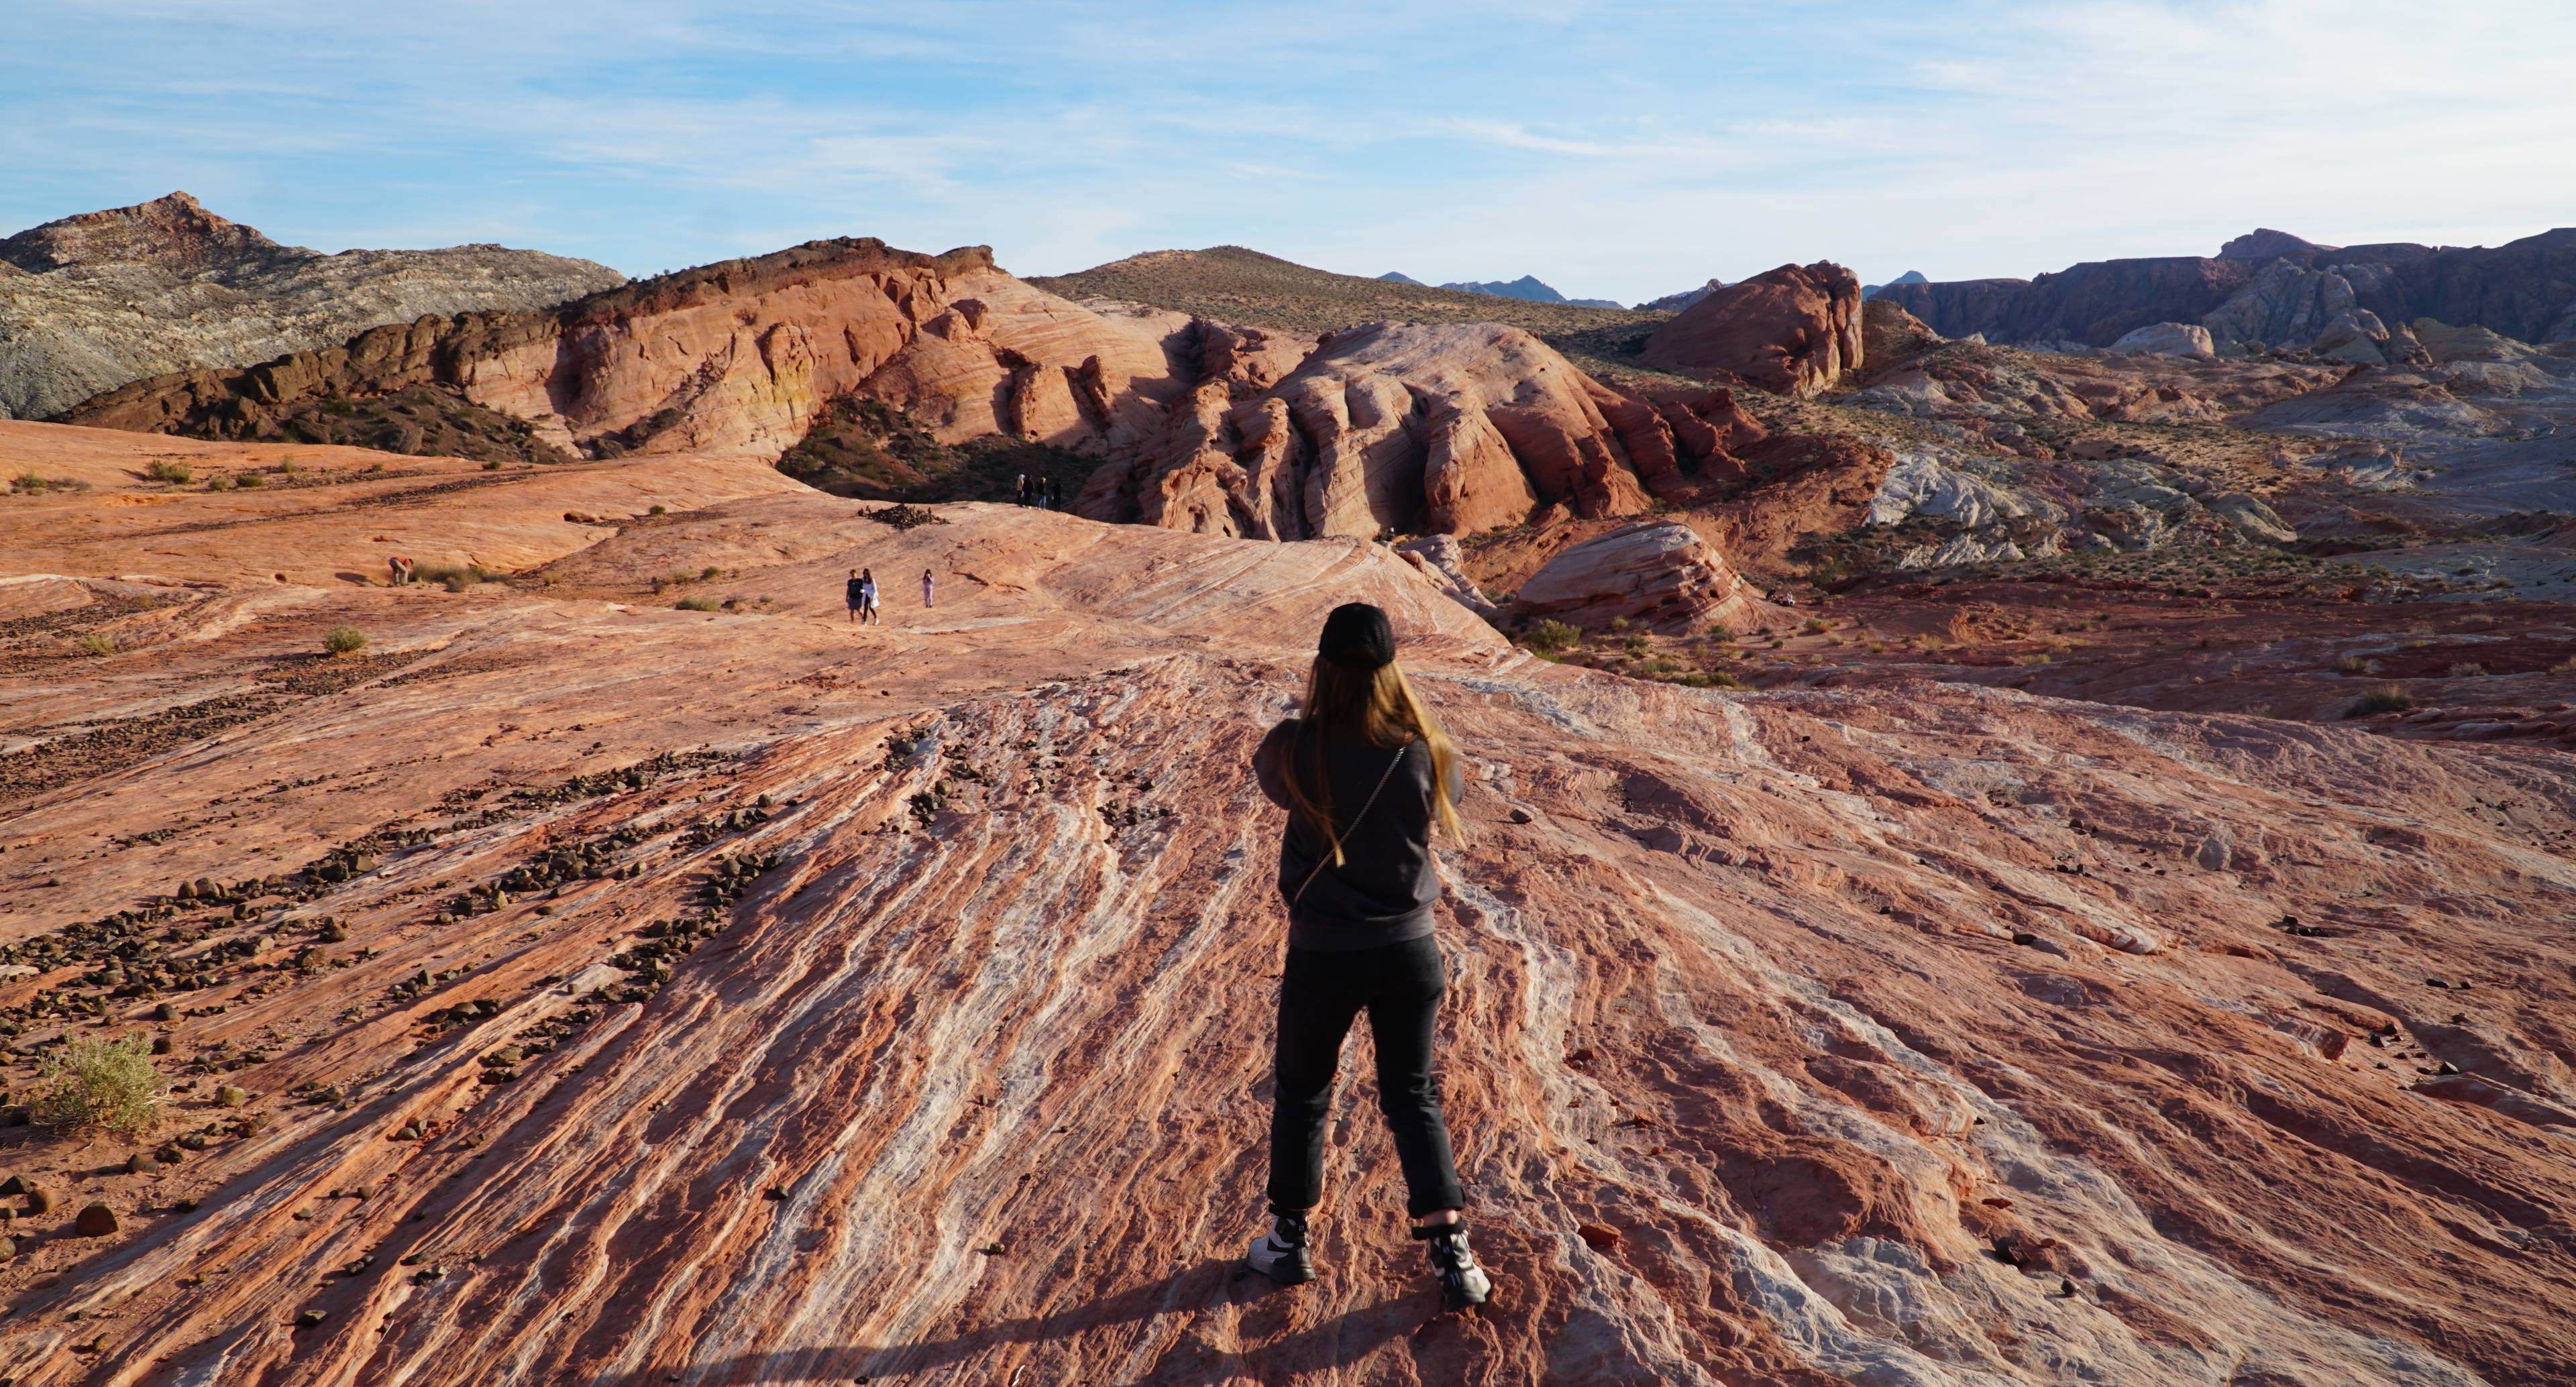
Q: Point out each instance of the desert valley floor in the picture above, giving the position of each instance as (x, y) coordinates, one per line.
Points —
(575, 988)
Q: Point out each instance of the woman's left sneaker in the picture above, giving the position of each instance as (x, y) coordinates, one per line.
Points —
(1462, 1282)
(1280, 1254)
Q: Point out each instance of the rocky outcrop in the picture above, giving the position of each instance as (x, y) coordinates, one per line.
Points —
(1792, 331)
(736, 357)
(1891, 336)
(95, 301)
(1402, 428)
(1657, 574)
(2166, 339)
(2292, 305)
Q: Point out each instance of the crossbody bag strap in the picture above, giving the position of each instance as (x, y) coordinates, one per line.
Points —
(1365, 806)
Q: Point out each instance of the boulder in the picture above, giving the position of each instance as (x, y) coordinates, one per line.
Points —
(1656, 573)
(1889, 335)
(2167, 339)
(1792, 331)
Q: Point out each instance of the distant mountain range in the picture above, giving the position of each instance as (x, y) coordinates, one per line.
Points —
(1527, 288)
(2270, 288)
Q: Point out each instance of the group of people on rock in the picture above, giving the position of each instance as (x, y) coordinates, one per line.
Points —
(1040, 491)
(862, 593)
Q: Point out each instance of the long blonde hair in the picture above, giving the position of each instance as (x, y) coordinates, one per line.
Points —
(1379, 708)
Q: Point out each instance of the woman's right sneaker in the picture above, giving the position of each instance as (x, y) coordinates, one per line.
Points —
(1462, 1282)
(1280, 1254)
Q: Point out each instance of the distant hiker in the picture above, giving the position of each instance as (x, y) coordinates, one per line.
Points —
(856, 593)
(1055, 494)
(1366, 776)
(1021, 496)
(925, 587)
(868, 614)
(402, 570)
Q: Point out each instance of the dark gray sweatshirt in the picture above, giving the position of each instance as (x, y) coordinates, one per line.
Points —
(1383, 890)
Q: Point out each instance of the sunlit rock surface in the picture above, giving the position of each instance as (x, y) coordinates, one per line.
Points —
(892, 1002)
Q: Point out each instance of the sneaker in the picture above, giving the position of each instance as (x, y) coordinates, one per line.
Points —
(1280, 1254)
(1462, 1282)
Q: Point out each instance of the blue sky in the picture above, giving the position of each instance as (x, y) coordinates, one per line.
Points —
(1617, 150)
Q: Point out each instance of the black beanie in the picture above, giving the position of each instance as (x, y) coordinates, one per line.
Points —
(1356, 636)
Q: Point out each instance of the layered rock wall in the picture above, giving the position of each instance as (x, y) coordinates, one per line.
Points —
(93, 302)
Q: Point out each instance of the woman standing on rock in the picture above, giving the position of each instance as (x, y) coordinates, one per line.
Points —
(1365, 776)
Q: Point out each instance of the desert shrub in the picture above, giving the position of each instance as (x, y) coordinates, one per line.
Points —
(455, 577)
(2566, 666)
(168, 471)
(1552, 635)
(2356, 664)
(659, 509)
(699, 603)
(250, 479)
(29, 482)
(286, 466)
(492, 465)
(219, 484)
(2385, 699)
(1636, 645)
(345, 640)
(103, 1085)
(1814, 626)
(1721, 632)
(97, 643)
(708, 573)
(2467, 669)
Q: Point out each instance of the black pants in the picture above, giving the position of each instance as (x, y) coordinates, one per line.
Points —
(1319, 994)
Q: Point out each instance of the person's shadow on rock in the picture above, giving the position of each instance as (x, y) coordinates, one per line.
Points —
(1261, 1329)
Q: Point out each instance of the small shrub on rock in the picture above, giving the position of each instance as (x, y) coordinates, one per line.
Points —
(1549, 637)
(700, 603)
(168, 471)
(97, 643)
(345, 640)
(2389, 699)
(108, 1085)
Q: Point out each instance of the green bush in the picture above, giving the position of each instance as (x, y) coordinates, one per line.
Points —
(219, 484)
(250, 479)
(2467, 669)
(1550, 636)
(700, 603)
(97, 643)
(167, 471)
(659, 509)
(103, 1085)
(345, 640)
(2386, 699)
(29, 483)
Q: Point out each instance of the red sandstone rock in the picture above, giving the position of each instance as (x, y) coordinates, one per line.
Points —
(1657, 574)
(987, 951)
(1443, 428)
(1795, 331)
